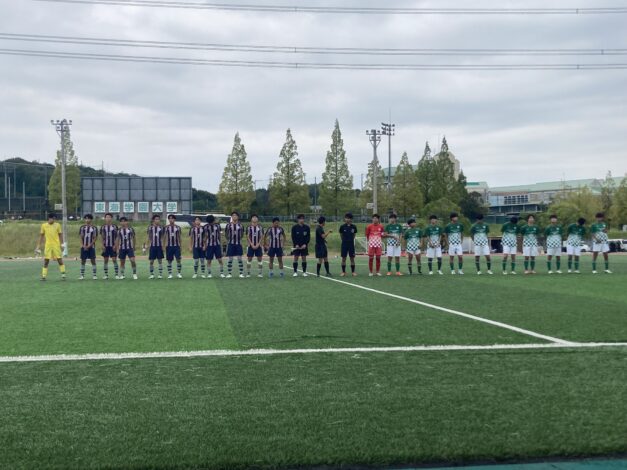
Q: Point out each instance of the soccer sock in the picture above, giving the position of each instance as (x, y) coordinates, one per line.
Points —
(398, 267)
(208, 269)
(241, 266)
(202, 267)
(295, 265)
(116, 269)
(489, 265)
(121, 270)
(558, 263)
(169, 268)
(82, 269)
(378, 263)
(179, 267)
(370, 263)
(607, 265)
(439, 264)
(260, 267)
(343, 267)
(430, 263)
(389, 266)
(44, 272)
(513, 266)
(570, 263)
(93, 269)
(460, 264)
(478, 265)
(152, 268)
(62, 268)
(326, 267)
(452, 264)
(594, 265)
(222, 268)
(548, 265)
(353, 267)
(160, 268)
(229, 266)
(419, 266)
(248, 267)
(304, 265)
(318, 266)
(526, 263)
(410, 268)
(196, 261)
(106, 268)
(533, 264)
(576, 265)
(504, 265)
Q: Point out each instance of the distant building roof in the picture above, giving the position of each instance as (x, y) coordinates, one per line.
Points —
(593, 183)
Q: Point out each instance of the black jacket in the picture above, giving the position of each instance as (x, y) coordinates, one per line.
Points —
(301, 235)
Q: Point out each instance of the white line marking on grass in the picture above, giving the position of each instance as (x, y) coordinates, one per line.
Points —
(282, 352)
(456, 312)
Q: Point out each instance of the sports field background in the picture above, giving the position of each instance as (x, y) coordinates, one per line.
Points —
(323, 408)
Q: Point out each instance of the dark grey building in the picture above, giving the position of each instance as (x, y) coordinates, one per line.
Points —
(136, 197)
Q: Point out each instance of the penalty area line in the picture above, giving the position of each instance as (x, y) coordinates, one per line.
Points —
(286, 352)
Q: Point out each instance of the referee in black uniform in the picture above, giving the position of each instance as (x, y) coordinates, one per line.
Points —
(347, 232)
(301, 236)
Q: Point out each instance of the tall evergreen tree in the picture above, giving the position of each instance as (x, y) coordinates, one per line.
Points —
(619, 206)
(608, 188)
(406, 194)
(336, 189)
(425, 174)
(72, 178)
(236, 192)
(288, 192)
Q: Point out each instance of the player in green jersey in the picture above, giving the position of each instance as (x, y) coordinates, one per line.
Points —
(479, 232)
(454, 233)
(600, 242)
(530, 233)
(393, 234)
(509, 241)
(413, 236)
(433, 234)
(554, 234)
(576, 232)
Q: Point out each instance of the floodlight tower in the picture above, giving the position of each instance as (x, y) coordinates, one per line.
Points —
(63, 128)
(389, 129)
(374, 135)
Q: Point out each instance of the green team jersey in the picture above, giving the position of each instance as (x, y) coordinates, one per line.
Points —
(413, 236)
(598, 231)
(479, 233)
(454, 232)
(530, 235)
(576, 233)
(433, 233)
(509, 231)
(554, 235)
(397, 231)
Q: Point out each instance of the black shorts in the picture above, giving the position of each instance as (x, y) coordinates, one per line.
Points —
(214, 251)
(156, 252)
(198, 253)
(172, 252)
(348, 249)
(300, 252)
(254, 253)
(128, 252)
(275, 252)
(89, 253)
(109, 252)
(321, 251)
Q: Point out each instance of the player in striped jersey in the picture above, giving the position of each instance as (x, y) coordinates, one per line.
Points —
(254, 235)
(553, 234)
(213, 245)
(88, 235)
(126, 238)
(109, 235)
(155, 242)
(197, 246)
(173, 246)
(234, 232)
(274, 241)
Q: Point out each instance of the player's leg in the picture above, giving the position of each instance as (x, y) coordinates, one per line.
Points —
(240, 263)
(169, 258)
(318, 266)
(343, 255)
(460, 262)
(304, 264)
(478, 263)
(370, 262)
(513, 255)
(281, 269)
(504, 261)
(196, 262)
(533, 264)
(595, 255)
(351, 254)
(249, 261)
(61, 267)
(122, 264)
(229, 265)
(438, 253)
(106, 267)
(209, 257)
(116, 268)
(295, 263)
(179, 263)
(410, 261)
(452, 261)
(526, 262)
(44, 269)
(419, 262)
(430, 256)
(271, 264)
(134, 266)
(488, 259)
(577, 264)
(260, 265)
(606, 258)
(94, 272)
(549, 263)
(389, 261)
(378, 263)
(83, 262)
(151, 264)
(397, 265)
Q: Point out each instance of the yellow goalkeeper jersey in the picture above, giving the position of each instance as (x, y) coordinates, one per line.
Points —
(51, 233)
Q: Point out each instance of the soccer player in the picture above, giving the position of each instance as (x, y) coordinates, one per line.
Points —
(509, 241)
(197, 246)
(301, 236)
(454, 231)
(155, 242)
(374, 236)
(109, 235)
(51, 235)
(530, 232)
(347, 233)
(126, 237)
(234, 232)
(254, 234)
(479, 232)
(213, 245)
(321, 246)
(413, 236)
(88, 235)
(393, 234)
(576, 232)
(433, 234)
(173, 246)
(554, 234)
(274, 240)
(600, 243)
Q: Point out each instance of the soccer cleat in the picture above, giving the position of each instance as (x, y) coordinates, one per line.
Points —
(95, 278)
(594, 272)
(121, 278)
(203, 276)
(247, 275)
(460, 272)
(42, 278)
(152, 276)
(527, 271)
(170, 276)
(378, 274)
(570, 271)
(514, 272)
(241, 276)
(282, 274)
(117, 278)
(399, 273)
(135, 277)
(490, 272)
(179, 275)
(440, 273)
(305, 274)
(370, 274)
(63, 277)
(159, 276)
(558, 271)
(577, 271)
(295, 275)
(430, 273)
(105, 277)
(271, 274)
(607, 271)
(389, 273)
(195, 276)
(209, 276)
(478, 273)
(504, 273)
(260, 275)
(329, 275)
(343, 274)
(550, 272)
(222, 276)
(533, 272)
(453, 273)
(229, 276)
(80, 278)
(354, 274)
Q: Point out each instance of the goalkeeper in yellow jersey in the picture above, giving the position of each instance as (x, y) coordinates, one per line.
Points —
(52, 237)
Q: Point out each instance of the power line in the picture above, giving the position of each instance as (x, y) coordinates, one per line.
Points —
(350, 10)
(93, 41)
(304, 65)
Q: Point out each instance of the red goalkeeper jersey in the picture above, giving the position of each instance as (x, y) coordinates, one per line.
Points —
(374, 234)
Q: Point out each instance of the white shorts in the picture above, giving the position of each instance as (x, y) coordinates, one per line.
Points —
(455, 250)
(554, 251)
(573, 250)
(482, 250)
(600, 247)
(415, 252)
(509, 250)
(393, 250)
(530, 251)
(434, 252)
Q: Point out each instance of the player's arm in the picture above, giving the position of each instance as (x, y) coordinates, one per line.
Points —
(191, 239)
(326, 234)
(41, 240)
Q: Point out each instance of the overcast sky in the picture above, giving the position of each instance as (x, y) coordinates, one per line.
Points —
(506, 127)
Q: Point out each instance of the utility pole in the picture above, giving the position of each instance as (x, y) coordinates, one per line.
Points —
(374, 135)
(62, 128)
(387, 128)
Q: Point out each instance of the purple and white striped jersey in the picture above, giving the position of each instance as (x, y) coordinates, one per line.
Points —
(88, 234)
(155, 235)
(213, 232)
(275, 237)
(173, 235)
(234, 233)
(255, 234)
(109, 233)
(127, 238)
(197, 234)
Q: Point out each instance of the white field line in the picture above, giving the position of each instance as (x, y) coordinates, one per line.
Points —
(456, 312)
(283, 352)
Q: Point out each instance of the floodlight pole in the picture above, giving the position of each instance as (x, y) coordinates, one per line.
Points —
(63, 127)
(387, 128)
(374, 135)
